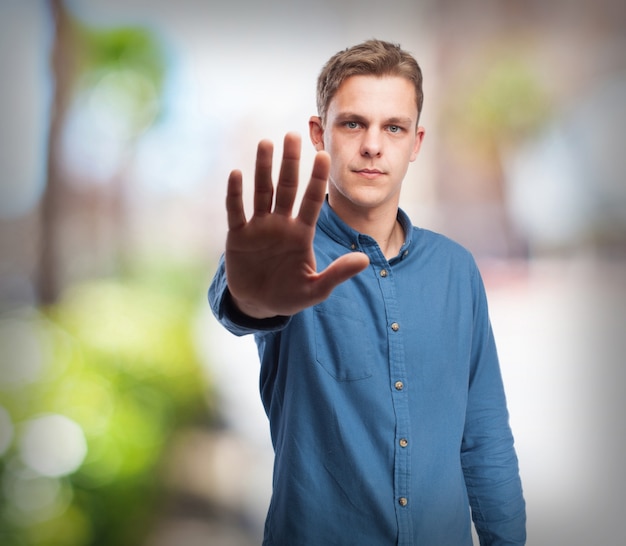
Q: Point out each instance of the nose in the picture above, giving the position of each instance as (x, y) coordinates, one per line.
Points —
(371, 145)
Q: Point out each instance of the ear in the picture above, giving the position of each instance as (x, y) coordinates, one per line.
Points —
(316, 132)
(419, 137)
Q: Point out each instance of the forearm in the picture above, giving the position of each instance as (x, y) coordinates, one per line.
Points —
(489, 460)
(494, 489)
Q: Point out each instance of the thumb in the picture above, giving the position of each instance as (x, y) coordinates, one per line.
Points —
(342, 269)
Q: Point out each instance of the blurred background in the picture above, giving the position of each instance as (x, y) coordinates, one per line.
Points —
(127, 415)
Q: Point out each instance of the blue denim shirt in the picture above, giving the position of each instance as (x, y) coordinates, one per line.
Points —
(386, 405)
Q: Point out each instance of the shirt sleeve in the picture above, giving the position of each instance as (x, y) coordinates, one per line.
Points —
(229, 316)
(488, 455)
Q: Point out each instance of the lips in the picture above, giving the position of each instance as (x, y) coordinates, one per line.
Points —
(369, 173)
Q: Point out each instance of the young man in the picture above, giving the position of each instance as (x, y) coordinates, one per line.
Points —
(379, 371)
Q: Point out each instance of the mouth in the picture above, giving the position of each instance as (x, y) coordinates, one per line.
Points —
(369, 173)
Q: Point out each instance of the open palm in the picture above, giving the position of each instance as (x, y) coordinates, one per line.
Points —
(270, 262)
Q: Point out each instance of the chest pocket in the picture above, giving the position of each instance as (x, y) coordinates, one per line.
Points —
(342, 345)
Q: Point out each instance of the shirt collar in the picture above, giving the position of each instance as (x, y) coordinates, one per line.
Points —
(341, 232)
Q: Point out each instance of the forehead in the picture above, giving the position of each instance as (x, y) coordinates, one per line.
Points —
(388, 96)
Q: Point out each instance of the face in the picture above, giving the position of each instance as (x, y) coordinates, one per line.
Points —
(371, 135)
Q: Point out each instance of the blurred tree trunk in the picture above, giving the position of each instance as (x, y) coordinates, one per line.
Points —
(62, 64)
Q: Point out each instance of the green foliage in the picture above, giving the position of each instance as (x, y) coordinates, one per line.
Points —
(122, 47)
(501, 101)
(508, 101)
(123, 70)
(118, 358)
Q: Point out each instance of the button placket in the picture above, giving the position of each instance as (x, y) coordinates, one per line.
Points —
(384, 275)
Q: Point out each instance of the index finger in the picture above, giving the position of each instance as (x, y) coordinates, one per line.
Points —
(316, 190)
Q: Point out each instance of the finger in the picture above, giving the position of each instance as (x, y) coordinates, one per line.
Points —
(342, 269)
(316, 190)
(263, 188)
(234, 201)
(288, 177)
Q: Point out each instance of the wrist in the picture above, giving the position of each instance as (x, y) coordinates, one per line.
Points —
(247, 309)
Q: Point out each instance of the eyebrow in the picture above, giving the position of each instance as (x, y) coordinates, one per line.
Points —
(394, 120)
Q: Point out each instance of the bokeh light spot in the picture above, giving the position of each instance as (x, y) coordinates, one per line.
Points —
(53, 445)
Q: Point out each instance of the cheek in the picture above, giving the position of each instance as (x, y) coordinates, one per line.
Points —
(337, 157)
(334, 149)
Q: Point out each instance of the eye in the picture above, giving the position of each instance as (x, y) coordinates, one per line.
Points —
(394, 129)
(351, 124)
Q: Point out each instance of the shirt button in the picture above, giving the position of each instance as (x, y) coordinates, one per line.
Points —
(395, 326)
(406, 253)
(399, 385)
(353, 246)
(404, 442)
(403, 501)
(383, 272)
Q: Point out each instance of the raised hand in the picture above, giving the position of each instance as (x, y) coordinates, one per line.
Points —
(270, 262)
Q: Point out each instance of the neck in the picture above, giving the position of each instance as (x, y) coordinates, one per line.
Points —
(390, 246)
(381, 225)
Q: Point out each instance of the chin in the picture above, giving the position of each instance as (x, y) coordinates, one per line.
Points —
(368, 200)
